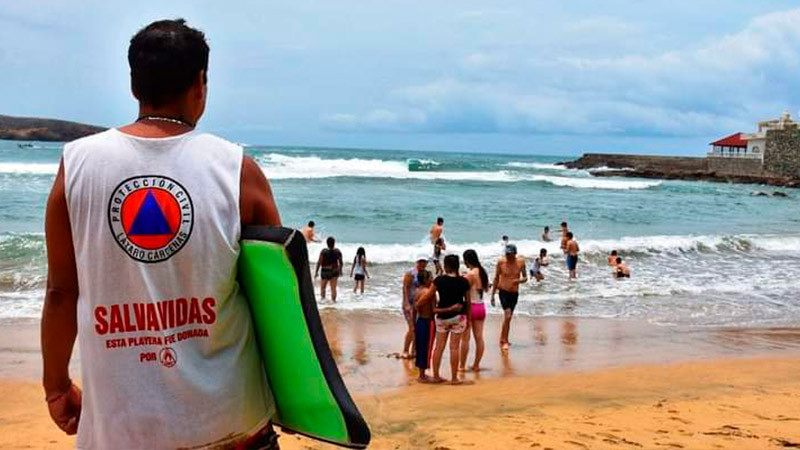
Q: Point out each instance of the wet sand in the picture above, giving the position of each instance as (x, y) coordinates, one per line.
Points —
(566, 383)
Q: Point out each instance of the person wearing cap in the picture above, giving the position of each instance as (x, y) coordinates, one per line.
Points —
(410, 285)
(509, 273)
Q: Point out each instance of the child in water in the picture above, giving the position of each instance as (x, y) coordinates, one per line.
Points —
(612, 259)
(538, 263)
(621, 270)
(359, 269)
(438, 247)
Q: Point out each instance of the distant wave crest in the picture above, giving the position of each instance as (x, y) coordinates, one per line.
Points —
(280, 167)
(590, 248)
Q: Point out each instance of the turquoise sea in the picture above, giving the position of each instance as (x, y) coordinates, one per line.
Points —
(703, 254)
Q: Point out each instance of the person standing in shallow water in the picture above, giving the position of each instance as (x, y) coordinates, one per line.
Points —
(479, 284)
(572, 255)
(436, 230)
(359, 269)
(197, 394)
(329, 268)
(308, 232)
(509, 273)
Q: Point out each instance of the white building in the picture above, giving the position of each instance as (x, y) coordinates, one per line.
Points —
(749, 145)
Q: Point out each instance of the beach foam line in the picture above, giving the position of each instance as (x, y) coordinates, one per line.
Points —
(29, 168)
(590, 248)
(283, 167)
(535, 165)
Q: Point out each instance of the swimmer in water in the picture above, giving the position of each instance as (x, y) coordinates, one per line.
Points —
(612, 258)
(308, 232)
(621, 270)
(538, 263)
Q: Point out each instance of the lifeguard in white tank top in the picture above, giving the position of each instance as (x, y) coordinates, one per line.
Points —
(164, 333)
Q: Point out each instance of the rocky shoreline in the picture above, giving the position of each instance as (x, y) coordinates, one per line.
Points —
(667, 168)
(36, 129)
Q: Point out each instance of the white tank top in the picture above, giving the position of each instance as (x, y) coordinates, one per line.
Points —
(167, 350)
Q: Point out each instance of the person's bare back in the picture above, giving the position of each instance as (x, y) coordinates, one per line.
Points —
(436, 230)
(572, 247)
(308, 232)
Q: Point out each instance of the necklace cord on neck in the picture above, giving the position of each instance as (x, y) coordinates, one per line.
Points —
(166, 119)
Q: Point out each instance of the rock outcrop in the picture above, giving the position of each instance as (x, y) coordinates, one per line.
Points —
(35, 129)
(673, 168)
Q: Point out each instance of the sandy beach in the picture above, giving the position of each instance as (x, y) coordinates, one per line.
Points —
(566, 384)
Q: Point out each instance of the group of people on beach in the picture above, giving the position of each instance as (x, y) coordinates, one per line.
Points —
(442, 304)
(451, 305)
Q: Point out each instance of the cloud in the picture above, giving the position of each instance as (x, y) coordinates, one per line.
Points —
(723, 84)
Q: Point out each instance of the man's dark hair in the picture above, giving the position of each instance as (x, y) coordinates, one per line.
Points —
(543, 252)
(569, 234)
(619, 260)
(563, 224)
(330, 241)
(504, 238)
(451, 263)
(439, 220)
(165, 58)
(613, 252)
(546, 228)
(311, 223)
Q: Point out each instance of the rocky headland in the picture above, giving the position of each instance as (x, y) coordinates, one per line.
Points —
(673, 168)
(36, 129)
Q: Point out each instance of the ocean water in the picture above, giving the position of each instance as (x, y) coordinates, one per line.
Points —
(702, 254)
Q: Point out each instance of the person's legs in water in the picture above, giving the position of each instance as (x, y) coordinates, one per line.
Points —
(363, 282)
(507, 314)
(464, 352)
(323, 284)
(334, 281)
(438, 351)
(508, 300)
(477, 331)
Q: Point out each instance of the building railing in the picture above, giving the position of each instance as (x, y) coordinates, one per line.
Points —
(713, 154)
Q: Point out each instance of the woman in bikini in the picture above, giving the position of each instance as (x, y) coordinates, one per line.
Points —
(478, 285)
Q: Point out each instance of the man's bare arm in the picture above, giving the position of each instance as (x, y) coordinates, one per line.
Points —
(496, 280)
(256, 203)
(59, 314)
(406, 285)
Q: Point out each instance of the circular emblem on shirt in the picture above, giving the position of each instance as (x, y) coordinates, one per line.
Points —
(151, 217)
(167, 357)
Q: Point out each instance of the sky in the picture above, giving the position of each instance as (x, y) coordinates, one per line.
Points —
(538, 77)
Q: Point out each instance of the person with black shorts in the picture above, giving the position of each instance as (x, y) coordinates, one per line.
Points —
(509, 273)
(359, 270)
(329, 268)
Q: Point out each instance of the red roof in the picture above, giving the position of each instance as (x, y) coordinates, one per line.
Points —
(734, 140)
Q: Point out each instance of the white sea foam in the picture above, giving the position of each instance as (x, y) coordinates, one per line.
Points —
(403, 253)
(29, 168)
(279, 167)
(596, 183)
(535, 165)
